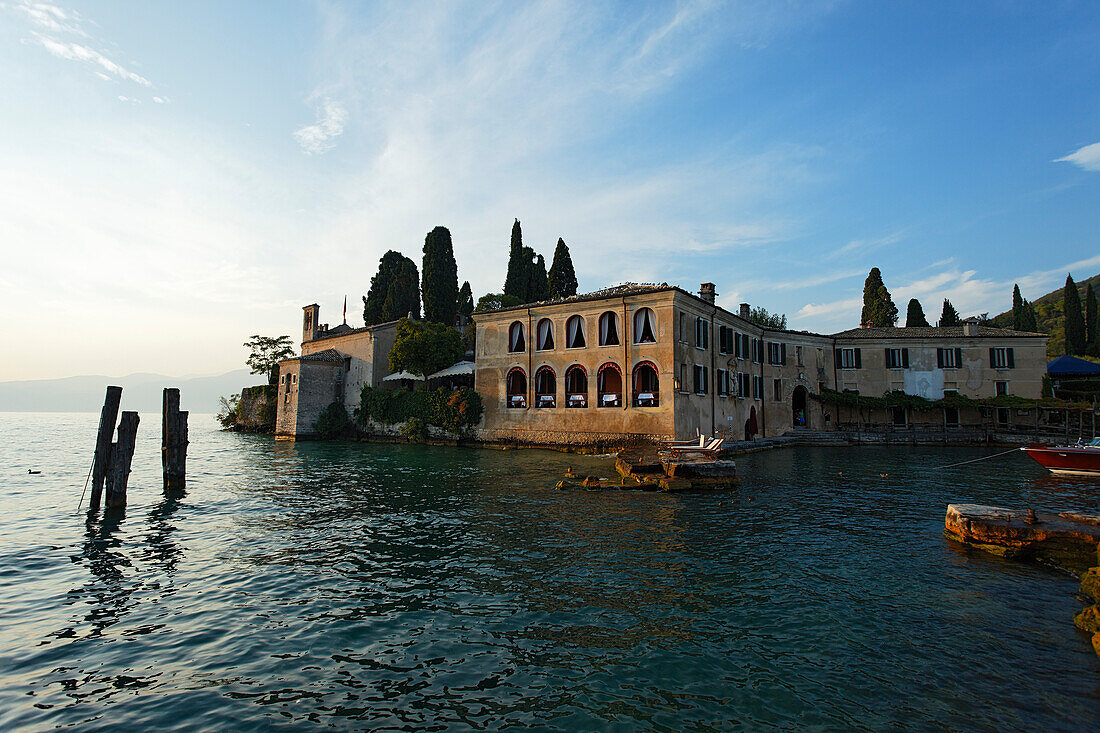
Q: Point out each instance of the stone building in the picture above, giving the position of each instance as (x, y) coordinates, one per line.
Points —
(334, 365)
(656, 361)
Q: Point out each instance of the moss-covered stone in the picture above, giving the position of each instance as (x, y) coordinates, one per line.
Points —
(1096, 643)
(1090, 584)
(1088, 619)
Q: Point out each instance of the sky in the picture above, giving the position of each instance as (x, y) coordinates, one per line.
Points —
(175, 177)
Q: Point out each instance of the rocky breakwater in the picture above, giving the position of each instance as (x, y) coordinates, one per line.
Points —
(1067, 540)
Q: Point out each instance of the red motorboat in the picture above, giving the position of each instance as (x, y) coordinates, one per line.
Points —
(1081, 459)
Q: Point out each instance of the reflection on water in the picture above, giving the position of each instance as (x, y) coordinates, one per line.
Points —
(397, 587)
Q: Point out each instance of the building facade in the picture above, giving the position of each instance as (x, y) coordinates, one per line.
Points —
(334, 366)
(654, 361)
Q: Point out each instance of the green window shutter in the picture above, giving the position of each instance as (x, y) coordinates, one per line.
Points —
(859, 360)
(1011, 358)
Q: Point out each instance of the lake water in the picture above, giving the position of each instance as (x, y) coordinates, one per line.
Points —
(391, 587)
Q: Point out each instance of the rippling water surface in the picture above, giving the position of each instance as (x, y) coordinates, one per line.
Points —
(405, 587)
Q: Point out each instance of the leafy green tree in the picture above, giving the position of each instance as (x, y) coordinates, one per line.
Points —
(394, 290)
(465, 305)
(423, 347)
(914, 315)
(1092, 328)
(496, 301)
(266, 354)
(761, 317)
(439, 284)
(1017, 309)
(562, 277)
(332, 422)
(515, 283)
(950, 316)
(1076, 338)
(878, 307)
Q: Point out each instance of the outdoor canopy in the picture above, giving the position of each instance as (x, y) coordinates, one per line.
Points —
(1071, 366)
(462, 367)
(402, 375)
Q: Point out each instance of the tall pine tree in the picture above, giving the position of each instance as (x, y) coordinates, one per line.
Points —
(1092, 328)
(439, 280)
(538, 284)
(394, 290)
(1029, 321)
(878, 307)
(515, 283)
(950, 316)
(914, 315)
(1076, 340)
(1017, 309)
(465, 300)
(562, 277)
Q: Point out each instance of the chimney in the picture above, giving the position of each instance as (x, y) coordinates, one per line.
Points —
(970, 328)
(706, 292)
(745, 311)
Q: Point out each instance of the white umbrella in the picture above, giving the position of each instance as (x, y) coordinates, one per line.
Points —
(462, 367)
(396, 376)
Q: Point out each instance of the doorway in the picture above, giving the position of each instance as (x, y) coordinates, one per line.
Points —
(799, 415)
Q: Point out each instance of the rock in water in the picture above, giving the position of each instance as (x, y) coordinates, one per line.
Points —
(1088, 619)
(1090, 584)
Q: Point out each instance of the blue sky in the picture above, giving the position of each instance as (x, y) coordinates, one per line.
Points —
(177, 176)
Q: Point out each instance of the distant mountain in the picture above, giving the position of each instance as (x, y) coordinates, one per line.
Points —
(141, 392)
(1050, 315)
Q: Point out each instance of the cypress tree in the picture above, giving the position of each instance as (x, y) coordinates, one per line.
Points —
(1017, 309)
(1029, 321)
(515, 283)
(1092, 328)
(914, 315)
(562, 277)
(950, 316)
(1076, 341)
(538, 284)
(465, 300)
(397, 283)
(439, 284)
(878, 307)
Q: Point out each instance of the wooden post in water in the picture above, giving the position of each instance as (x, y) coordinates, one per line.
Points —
(173, 441)
(122, 453)
(102, 457)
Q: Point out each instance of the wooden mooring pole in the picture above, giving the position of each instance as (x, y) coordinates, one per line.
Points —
(107, 419)
(173, 444)
(122, 454)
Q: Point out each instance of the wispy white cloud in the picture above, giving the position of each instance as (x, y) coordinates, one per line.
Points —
(1086, 158)
(863, 246)
(54, 27)
(320, 137)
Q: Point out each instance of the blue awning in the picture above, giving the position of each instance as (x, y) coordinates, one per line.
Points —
(1071, 366)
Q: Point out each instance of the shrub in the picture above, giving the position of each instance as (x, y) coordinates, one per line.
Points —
(227, 415)
(415, 429)
(332, 422)
(453, 411)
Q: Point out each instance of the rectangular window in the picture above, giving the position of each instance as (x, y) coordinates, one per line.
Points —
(897, 358)
(757, 345)
(683, 377)
(722, 382)
(798, 355)
(738, 349)
(702, 333)
(697, 379)
(949, 358)
(848, 359)
(777, 353)
(1001, 357)
(777, 390)
(1002, 388)
(683, 328)
(725, 340)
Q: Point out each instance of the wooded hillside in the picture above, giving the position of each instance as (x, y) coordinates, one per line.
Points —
(1050, 316)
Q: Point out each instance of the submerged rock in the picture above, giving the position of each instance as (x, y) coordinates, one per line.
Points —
(1090, 584)
(1056, 540)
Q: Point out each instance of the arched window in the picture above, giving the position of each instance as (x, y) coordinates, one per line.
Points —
(609, 386)
(576, 386)
(516, 387)
(546, 388)
(515, 338)
(647, 389)
(645, 326)
(574, 333)
(609, 329)
(545, 333)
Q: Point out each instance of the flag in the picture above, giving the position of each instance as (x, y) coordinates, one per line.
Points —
(345, 310)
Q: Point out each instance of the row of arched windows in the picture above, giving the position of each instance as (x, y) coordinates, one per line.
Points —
(609, 386)
(645, 331)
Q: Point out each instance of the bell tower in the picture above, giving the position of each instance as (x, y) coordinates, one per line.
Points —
(310, 325)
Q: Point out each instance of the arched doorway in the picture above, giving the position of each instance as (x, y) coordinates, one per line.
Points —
(799, 415)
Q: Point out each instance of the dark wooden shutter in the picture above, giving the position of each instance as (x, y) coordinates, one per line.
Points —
(859, 360)
(992, 357)
(836, 358)
(783, 354)
(888, 364)
(958, 358)
(939, 358)
(1011, 358)
(905, 358)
